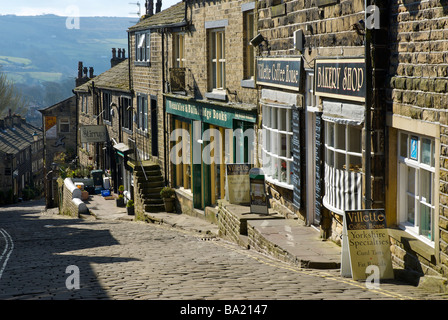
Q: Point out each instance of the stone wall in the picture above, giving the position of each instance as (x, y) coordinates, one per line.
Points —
(417, 91)
(148, 80)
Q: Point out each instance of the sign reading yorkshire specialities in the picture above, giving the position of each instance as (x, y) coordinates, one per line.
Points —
(340, 78)
(279, 72)
(92, 134)
(368, 243)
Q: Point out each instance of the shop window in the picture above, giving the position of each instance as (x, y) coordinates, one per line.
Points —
(343, 166)
(277, 139)
(416, 162)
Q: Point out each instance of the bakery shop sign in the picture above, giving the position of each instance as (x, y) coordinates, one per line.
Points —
(341, 78)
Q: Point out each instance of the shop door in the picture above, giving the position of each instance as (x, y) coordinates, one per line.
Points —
(311, 167)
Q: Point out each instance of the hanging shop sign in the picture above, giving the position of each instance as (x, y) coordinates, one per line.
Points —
(279, 72)
(212, 114)
(93, 134)
(366, 243)
(238, 183)
(51, 127)
(340, 78)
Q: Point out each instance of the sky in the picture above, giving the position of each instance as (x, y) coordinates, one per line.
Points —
(81, 8)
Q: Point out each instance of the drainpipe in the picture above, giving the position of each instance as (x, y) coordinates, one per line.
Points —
(368, 115)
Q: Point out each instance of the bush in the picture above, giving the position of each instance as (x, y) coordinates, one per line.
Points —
(130, 203)
(167, 192)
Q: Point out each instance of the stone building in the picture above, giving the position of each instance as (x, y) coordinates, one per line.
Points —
(21, 159)
(416, 152)
(105, 117)
(312, 70)
(60, 132)
(211, 100)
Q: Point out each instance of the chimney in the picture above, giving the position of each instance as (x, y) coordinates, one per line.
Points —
(79, 69)
(114, 53)
(123, 52)
(149, 7)
(85, 72)
(158, 6)
(91, 76)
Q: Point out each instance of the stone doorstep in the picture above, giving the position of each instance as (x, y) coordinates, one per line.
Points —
(300, 244)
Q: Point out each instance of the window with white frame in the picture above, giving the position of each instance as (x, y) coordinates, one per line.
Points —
(249, 33)
(142, 112)
(343, 166)
(217, 59)
(179, 54)
(126, 112)
(107, 100)
(277, 140)
(64, 125)
(143, 47)
(84, 103)
(416, 171)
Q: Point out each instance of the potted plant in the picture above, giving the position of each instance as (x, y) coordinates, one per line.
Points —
(167, 195)
(120, 201)
(130, 207)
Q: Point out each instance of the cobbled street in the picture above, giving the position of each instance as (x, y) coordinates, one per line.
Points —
(121, 260)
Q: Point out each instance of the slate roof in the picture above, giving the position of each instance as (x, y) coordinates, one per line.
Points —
(13, 140)
(168, 17)
(116, 78)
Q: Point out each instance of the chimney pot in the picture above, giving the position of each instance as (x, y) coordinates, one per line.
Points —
(149, 7)
(91, 72)
(158, 6)
(114, 53)
(79, 69)
(85, 72)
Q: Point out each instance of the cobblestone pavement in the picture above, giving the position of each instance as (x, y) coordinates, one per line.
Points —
(121, 260)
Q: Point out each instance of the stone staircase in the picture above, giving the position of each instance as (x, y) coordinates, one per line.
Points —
(148, 197)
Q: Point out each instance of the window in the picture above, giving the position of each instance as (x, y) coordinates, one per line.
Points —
(277, 139)
(249, 33)
(142, 47)
(126, 112)
(84, 103)
(416, 161)
(343, 166)
(64, 125)
(107, 100)
(142, 112)
(217, 59)
(179, 54)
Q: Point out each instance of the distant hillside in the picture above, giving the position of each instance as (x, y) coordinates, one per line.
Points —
(42, 48)
(40, 54)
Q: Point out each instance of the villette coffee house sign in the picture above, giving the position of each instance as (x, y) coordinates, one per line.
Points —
(341, 78)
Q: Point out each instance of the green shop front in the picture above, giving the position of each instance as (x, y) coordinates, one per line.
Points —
(204, 138)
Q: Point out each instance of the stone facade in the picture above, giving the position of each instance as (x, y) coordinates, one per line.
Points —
(416, 103)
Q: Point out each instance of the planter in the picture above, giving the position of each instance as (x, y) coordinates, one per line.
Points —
(169, 204)
(120, 202)
(130, 211)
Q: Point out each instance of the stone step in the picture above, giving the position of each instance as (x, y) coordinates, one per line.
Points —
(149, 173)
(152, 201)
(154, 207)
(150, 190)
(142, 180)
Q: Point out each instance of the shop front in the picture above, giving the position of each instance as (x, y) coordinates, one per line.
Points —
(281, 85)
(204, 138)
(340, 83)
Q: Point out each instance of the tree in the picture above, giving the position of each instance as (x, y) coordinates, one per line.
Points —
(10, 97)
